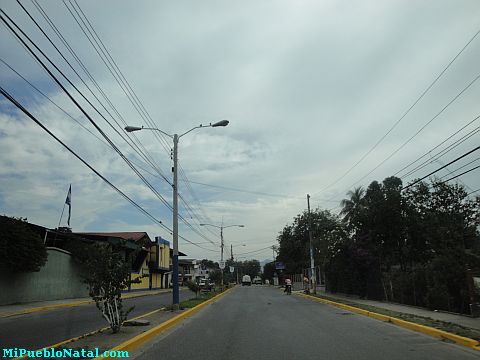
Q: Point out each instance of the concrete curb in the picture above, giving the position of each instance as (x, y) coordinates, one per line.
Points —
(148, 335)
(74, 304)
(54, 346)
(440, 334)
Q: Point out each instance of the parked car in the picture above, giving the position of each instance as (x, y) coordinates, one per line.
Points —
(246, 280)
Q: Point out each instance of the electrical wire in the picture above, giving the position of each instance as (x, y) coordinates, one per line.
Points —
(463, 173)
(136, 145)
(437, 146)
(404, 114)
(443, 167)
(10, 98)
(457, 169)
(112, 66)
(134, 169)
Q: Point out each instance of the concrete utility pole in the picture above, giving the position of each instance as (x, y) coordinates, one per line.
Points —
(175, 137)
(176, 290)
(221, 239)
(221, 245)
(312, 261)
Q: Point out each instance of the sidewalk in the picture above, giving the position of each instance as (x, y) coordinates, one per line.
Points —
(462, 320)
(26, 308)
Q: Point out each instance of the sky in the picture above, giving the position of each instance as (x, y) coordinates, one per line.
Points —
(309, 88)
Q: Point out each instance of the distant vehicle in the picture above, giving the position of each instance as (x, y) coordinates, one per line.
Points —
(257, 280)
(246, 280)
(205, 284)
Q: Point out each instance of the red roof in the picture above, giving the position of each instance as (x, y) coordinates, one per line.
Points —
(132, 235)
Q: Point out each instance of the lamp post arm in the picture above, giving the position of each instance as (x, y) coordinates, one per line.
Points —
(155, 129)
(233, 226)
(196, 127)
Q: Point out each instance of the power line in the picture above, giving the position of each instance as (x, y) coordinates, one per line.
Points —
(445, 151)
(474, 131)
(463, 173)
(10, 98)
(414, 135)
(113, 67)
(254, 251)
(403, 116)
(141, 209)
(444, 166)
(473, 192)
(77, 104)
(461, 167)
(242, 190)
(142, 152)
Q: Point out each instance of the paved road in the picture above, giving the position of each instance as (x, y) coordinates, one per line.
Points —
(262, 323)
(37, 330)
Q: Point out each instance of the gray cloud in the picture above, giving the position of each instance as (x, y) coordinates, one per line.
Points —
(309, 87)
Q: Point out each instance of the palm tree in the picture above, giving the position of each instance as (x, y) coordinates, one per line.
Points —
(351, 206)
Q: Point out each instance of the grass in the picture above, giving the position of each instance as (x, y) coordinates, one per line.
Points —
(421, 320)
(190, 303)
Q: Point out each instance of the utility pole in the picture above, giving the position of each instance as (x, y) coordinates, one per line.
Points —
(221, 244)
(231, 252)
(312, 261)
(176, 292)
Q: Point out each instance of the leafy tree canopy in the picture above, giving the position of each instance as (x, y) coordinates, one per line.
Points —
(21, 249)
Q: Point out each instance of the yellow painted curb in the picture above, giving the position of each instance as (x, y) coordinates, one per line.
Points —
(73, 304)
(460, 340)
(142, 338)
(90, 333)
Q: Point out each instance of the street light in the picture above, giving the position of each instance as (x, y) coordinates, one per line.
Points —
(175, 137)
(221, 238)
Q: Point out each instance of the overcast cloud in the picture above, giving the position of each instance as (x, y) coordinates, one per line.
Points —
(308, 87)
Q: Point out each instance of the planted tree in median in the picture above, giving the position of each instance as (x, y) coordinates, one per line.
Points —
(107, 274)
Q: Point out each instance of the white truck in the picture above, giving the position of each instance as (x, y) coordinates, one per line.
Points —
(246, 280)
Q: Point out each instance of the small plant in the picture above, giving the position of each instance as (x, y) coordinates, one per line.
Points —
(107, 274)
(194, 287)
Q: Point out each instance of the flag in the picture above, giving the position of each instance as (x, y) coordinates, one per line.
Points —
(68, 201)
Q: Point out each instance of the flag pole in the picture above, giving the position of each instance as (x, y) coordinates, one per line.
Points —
(61, 216)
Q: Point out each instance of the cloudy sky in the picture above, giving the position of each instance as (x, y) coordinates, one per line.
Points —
(309, 88)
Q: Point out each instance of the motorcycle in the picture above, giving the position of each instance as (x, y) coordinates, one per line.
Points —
(288, 289)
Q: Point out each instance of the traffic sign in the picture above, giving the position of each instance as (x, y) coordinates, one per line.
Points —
(222, 264)
(232, 269)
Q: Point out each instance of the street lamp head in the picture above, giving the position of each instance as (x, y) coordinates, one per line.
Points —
(221, 123)
(133, 128)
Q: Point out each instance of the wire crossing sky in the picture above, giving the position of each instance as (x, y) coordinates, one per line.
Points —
(318, 94)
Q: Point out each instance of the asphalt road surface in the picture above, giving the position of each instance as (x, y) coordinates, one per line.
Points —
(262, 323)
(37, 330)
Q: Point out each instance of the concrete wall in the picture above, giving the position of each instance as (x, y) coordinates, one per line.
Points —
(60, 278)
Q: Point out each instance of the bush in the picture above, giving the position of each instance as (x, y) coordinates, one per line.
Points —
(21, 249)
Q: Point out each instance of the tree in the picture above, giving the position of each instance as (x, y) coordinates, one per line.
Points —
(251, 268)
(21, 249)
(268, 271)
(107, 274)
(352, 207)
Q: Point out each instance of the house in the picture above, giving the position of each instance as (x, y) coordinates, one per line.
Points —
(61, 276)
(151, 261)
(186, 270)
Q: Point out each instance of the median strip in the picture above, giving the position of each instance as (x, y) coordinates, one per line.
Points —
(148, 335)
(68, 341)
(75, 304)
(441, 334)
